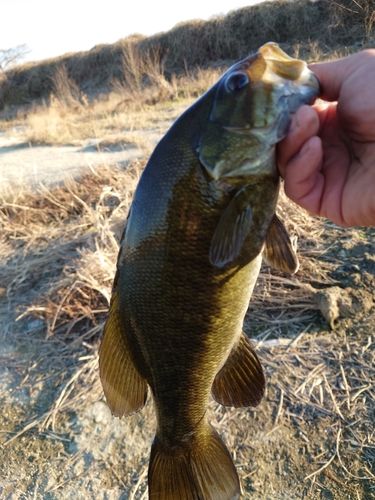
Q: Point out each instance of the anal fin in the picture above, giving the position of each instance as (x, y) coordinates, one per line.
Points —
(240, 382)
(125, 390)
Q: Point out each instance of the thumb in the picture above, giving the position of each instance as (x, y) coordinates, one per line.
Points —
(333, 74)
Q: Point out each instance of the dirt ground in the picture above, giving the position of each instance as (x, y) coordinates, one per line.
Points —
(312, 437)
(25, 165)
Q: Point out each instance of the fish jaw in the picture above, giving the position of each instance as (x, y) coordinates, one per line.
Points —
(263, 164)
(302, 86)
(251, 113)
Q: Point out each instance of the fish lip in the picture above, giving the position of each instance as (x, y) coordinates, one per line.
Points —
(310, 80)
(238, 130)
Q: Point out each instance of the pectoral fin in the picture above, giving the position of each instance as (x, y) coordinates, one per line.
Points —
(278, 249)
(124, 389)
(240, 382)
(231, 231)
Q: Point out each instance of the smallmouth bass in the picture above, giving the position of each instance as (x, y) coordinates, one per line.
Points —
(202, 219)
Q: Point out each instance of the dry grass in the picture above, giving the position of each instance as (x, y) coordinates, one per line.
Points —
(319, 27)
(326, 24)
(70, 117)
(163, 74)
(63, 244)
(59, 248)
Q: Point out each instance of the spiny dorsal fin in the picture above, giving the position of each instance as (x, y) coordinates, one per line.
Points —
(240, 382)
(124, 389)
(278, 249)
(231, 231)
(199, 468)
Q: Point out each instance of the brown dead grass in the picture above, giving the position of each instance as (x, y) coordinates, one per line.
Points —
(63, 243)
(320, 27)
(59, 249)
(139, 100)
(164, 72)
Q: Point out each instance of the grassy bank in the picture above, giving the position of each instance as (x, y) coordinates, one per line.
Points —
(310, 29)
(313, 435)
(113, 90)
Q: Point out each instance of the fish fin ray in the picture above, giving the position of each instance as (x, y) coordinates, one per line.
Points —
(278, 249)
(233, 227)
(201, 468)
(125, 390)
(240, 382)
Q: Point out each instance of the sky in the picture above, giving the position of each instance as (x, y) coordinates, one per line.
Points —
(51, 28)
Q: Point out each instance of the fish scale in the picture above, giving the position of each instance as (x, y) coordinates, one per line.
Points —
(202, 219)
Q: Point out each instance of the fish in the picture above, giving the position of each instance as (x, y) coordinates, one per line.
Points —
(200, 223)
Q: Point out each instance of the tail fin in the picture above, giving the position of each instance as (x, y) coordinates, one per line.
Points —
(199, 469)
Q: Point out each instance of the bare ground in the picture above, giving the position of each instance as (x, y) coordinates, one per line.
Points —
(312, 436)
(25, 165)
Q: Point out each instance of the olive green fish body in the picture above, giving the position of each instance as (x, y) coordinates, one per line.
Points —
(191, 310)
(202, 217)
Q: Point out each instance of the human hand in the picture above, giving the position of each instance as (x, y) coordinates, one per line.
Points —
(328, 157)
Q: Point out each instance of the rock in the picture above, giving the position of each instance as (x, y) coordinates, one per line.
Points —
(369, 263)
(36, 323)
(99, 413)
(335, 302)
(362, 300)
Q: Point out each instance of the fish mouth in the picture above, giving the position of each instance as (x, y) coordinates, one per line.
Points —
(297, 85)
(294, 74)
(284, 66)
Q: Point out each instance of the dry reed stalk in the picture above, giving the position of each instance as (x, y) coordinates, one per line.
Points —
(69, 118)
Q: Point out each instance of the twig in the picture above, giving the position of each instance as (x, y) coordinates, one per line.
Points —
(314, 372)
(280, 409)
(25, 429)
(322, 468)
(141, 477)
(332, 396)
(363, 389)
(347, 388)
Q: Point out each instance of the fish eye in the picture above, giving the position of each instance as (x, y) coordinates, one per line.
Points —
(236, 81)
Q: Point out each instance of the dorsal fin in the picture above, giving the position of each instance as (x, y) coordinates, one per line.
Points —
(233, 227)
(240, 382)
(278, 249)
(124, 389)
